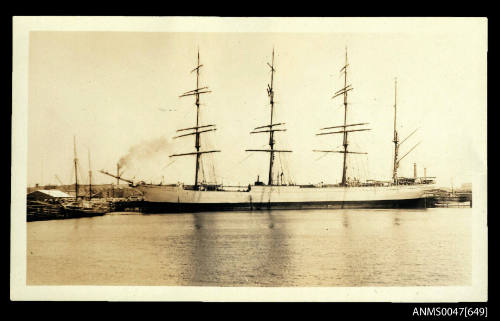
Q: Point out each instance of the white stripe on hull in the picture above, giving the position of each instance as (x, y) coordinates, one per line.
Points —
(282, 194)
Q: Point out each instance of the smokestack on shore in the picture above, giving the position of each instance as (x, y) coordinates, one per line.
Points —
(414, 170)
(117, 174)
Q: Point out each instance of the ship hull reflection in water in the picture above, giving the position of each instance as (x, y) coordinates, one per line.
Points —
(265, 248)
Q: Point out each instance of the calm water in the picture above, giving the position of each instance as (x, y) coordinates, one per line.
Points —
(277, 248)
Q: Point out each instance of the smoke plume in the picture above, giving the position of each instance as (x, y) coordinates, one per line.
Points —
(146, 155)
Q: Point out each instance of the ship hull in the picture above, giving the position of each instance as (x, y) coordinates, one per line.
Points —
(160, 207)
(175, 199)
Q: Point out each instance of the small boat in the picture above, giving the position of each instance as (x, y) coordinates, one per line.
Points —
(80, 207)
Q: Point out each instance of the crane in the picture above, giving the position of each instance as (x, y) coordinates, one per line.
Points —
(117, 177)
(60, 182)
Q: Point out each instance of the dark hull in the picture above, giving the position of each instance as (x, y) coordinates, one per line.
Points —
(154, 207)
(76, 213)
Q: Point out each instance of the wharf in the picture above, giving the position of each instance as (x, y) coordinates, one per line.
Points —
(43, 210)
(444, 199)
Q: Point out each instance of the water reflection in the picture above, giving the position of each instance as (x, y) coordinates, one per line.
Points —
(238, 249)
(271, 219)
(345, 220)
(396, 219)
(273, 248)
(200, 263)
(274, 266)
(368, 249)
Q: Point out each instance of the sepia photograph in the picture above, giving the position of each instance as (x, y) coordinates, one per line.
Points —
(249, 159)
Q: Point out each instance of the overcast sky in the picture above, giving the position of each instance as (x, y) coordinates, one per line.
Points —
(115, 90)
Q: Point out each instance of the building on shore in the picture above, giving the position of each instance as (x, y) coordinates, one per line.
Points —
(98, 191)
(47, 195)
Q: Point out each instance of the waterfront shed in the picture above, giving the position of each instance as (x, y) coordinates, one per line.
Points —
(47, 194)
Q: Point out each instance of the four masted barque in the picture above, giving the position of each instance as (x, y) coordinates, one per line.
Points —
(398, 193)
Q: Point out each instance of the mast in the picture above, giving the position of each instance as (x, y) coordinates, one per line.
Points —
(197, 135)
(343, 92)
(196, 130)
(271, 133)
(76, 168)
(395, 140)
(344, 168)
(271, 150)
